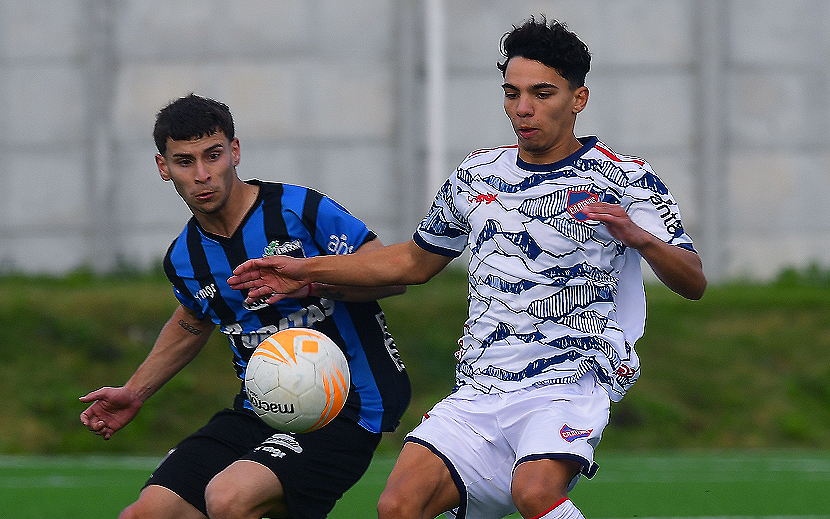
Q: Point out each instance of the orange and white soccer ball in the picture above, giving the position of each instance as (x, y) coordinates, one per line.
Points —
(297, 380)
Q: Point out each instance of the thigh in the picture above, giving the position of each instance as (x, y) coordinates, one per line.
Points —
(161, 503)
(315, 468)
(188, 468)
(558, 422)
(463, 431)
(260, 495)
(420, 485)
(539, 485)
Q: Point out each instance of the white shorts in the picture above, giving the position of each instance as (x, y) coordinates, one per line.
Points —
(483, 437)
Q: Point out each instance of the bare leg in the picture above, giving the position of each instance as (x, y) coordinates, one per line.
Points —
(540, 484)
(157, 502)
(419, 487)
(246, 489)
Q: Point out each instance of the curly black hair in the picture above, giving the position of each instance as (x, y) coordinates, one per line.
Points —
(551, 44)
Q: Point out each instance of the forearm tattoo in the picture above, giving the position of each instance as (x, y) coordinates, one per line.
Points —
(330, 293)
(189, 327)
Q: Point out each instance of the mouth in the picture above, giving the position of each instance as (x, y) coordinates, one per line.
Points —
(526, 132)
(204, 196)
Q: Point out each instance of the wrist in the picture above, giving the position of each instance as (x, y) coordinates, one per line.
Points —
(138, 395)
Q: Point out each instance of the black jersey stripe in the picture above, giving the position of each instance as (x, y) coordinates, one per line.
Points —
(275, 228)
(274, 222)
(170, 271)
(203, 274)
(310, 210)
(383, 359)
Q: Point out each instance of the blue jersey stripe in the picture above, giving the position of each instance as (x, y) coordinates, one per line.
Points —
(371, 409)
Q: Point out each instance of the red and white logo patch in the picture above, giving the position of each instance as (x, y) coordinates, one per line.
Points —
(570, 434)
(579, 199)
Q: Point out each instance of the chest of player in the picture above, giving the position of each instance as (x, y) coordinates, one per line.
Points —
(542, 224)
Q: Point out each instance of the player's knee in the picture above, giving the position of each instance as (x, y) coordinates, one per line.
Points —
(541, 483)
(128, 513)
(530, 496)
(135, 511)
(387, 506)
(222, 503)
(393, 506)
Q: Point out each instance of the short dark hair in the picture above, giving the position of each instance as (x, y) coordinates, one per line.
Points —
(552, 45)
(191, 117)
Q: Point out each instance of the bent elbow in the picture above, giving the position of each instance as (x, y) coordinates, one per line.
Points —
(695, 291)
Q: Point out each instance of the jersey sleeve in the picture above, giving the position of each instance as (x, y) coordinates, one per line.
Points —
(335, 229)
(444, 229)
(652, 207)
(180, 289)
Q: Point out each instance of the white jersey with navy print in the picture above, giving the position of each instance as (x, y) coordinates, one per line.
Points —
(552, 294)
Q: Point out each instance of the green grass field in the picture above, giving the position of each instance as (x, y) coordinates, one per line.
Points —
(731, 417)
(736, 484)
(742, 368)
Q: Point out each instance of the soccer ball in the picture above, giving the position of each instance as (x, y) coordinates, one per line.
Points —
(297, 380)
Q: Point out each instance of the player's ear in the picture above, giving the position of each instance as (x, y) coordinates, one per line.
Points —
(162, 166)
(235, 151)
(580, 99)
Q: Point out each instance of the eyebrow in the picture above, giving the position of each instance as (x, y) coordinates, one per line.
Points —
(537, 86)
(191, 155)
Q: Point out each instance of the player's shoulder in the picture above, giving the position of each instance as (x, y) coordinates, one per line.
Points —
(181, 239)
(491, 155)
(178, 253)
(631, 172)
(604, 152)
(289, 195)
(269, 188)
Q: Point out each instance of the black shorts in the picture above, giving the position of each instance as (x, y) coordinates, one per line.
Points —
(315, 468)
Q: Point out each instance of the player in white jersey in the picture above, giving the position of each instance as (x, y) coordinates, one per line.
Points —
(556, 226)
(543, 277)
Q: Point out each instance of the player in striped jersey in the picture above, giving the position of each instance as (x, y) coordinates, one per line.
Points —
(236, 466)
(556, 226)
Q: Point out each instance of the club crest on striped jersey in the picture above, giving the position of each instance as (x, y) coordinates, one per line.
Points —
(290, 248)
(570, 434)
(577, 200)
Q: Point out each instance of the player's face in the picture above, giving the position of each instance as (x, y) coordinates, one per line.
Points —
(203, 170)
(542, 107)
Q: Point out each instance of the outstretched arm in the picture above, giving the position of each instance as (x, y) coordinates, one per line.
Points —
(399, 264)
(679, 269)
(353, 293)
(179, 342)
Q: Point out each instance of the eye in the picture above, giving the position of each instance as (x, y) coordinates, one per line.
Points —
(510, 95)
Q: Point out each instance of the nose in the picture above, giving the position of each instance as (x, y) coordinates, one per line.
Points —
(202, 172)
(524, 106)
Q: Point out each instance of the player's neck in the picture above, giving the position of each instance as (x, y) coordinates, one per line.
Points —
(227, 219)
(560, 150)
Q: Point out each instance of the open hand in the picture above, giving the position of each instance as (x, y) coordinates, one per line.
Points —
(618, 223)
(271, 277)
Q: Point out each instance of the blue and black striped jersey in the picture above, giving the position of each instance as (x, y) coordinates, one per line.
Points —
(296, 221)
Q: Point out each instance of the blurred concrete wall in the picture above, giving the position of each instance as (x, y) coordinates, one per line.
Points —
(729, 101)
